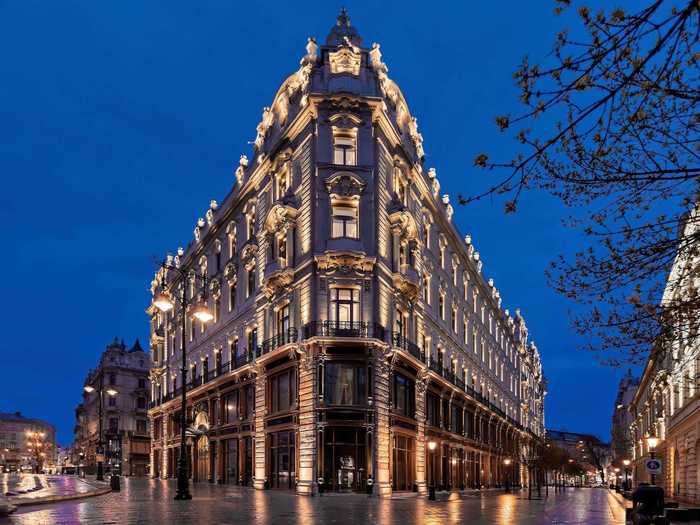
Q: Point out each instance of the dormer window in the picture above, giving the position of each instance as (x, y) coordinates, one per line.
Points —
(344, 222)
(344, 146)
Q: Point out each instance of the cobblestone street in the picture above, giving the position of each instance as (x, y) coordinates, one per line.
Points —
(150, 501)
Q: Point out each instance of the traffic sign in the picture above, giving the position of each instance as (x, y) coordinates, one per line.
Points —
(653, 466)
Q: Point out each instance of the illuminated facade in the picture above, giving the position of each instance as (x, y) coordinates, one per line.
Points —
(352, 325)
(123, 372)
(666, 403)
(25, 443)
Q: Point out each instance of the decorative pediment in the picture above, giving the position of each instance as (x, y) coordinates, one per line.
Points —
(278, 282)
(345, 60)
(402, 222)
(345, 184)
(345, 262)
(407, 284)
(280, 217)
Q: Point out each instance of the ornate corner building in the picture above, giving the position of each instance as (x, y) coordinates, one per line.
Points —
(354, 339)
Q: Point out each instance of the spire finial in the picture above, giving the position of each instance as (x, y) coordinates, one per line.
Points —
(343, 17)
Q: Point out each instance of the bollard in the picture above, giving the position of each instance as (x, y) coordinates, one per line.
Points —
(431, 492)
(370, 486)
(114, 483)
(320, 486)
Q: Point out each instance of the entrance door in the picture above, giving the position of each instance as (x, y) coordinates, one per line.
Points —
(345, 459)
(403, 462)
(202, 458)
(282, 459)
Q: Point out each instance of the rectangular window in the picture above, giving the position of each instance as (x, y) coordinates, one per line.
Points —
(344, 149)
(252, 341)
(441, 306)
(454, 320)
(141, 402)
(231, 407)
(283, 391)
(432, 406)
(112, 401)
(251, 283)
(345, 384)
(282, 320)
(249, 393)
(142, 382)
(231, 296)
(141, 427)
(113, 424)
(404, 395)
(345, 305)
(344, 222)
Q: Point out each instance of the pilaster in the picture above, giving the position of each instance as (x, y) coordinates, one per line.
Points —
(260, 475)
(307, 395)
(382, 445)
(421, 386)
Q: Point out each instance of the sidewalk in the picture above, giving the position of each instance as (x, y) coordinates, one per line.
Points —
(34, 489)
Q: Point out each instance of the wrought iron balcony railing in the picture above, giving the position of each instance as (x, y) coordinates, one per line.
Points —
(344, 329)
(268, 345)
(409, 346)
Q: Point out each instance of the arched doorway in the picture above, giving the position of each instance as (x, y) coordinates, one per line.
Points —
(202, 458)
(201, 446)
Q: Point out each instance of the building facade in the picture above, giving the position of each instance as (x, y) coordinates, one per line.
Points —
(622, 419)
(594, 455)
(26, 443)
(354, 340)
(667, 401)
(122, 378)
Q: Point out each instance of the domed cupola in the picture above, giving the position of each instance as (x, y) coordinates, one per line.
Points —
(342, 30)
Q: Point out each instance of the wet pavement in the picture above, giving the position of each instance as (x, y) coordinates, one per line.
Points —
(39, 486)
(144, 501)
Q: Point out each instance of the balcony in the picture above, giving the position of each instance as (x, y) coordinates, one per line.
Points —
(268, 345)
(353, 329)
(407, 281)
(407, 345)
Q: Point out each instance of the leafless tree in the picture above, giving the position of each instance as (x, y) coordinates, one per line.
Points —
(610, 127)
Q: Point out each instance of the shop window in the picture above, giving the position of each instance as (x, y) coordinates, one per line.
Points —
(231, 407)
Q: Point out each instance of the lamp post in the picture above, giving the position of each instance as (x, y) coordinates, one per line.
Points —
(626, 463)
(164, 302)
(652, 442)
(506, 463)
(431, 489)
(100, 441)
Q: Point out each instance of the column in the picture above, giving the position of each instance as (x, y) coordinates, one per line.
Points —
(260, 476)
(421, 482)
(164, 451)
(306, 446)
(382, 445)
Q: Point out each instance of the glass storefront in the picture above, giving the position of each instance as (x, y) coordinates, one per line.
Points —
(345, 458)
(281, 456)
(231, 461)
(403, 463)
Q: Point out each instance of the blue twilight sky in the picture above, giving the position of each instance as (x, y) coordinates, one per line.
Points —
(119, 121)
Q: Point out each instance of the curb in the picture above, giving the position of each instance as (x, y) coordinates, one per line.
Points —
(23, 502)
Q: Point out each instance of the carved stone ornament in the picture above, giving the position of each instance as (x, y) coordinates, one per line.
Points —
(280, 217)
(231, 272)
(407, 284)
(215, 289)
(345, 60)
(345, 262)
(240, 170)
(345, 185)
(210, 216)
(248, 253)
(278, 281)
(403, 223)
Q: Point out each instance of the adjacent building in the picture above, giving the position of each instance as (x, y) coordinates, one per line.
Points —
(26, 443)
(120, 385)
(622, 419)
(666, 403)
(594, 455)
(355, 340)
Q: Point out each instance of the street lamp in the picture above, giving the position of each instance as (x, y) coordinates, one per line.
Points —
(164, 302)
(431, 489)
(100, 441)
(507, 462)
(652, 442)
